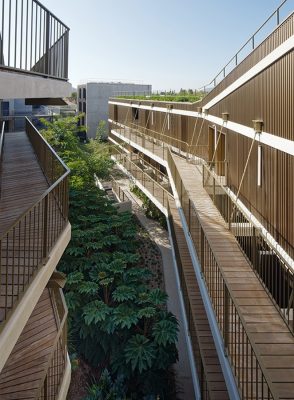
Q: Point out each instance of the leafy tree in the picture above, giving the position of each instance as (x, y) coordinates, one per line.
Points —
(101, 133)
(107, 388)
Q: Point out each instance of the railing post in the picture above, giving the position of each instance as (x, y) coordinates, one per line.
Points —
(45, 227)
(226, 316)
(47, 58)
(201, 250)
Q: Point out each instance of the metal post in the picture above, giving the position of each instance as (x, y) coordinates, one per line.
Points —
(45, 227)
(47, 70)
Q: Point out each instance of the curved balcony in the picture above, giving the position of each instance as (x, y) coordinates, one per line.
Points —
(34, 227)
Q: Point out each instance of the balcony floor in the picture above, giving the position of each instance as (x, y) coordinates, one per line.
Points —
(21, 378)
(22, 179)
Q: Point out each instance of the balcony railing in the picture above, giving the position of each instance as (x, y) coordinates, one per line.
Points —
(273, 271)
(26, 245)
(246, 364)
(55, 368)
(32, 39)
(153, 187)
(261, 34)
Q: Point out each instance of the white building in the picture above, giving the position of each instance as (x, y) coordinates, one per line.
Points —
(93, 100)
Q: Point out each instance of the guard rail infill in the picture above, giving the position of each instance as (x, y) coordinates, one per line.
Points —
(26, 245)
(32, 40)
(1, 153)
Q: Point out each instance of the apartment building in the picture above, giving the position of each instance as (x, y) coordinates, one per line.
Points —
(92, 98)
(229, 160)
(34, 226)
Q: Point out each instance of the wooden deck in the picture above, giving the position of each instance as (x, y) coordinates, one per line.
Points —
(22, 179)
(22, 184)
(214, 380)
(269, 334)
(21, 378)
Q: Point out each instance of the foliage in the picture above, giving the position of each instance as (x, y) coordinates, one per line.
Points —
(189, 95)
(116, 320)
(107, 388)
(84, 160)
(101, 133)
(151, 211)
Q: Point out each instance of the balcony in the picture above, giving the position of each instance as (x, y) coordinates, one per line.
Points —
(34, 227)
(33, 46)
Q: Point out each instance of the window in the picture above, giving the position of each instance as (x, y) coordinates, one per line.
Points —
(80, 93)
(84, 93)
(5, 109)
(84, 107)
(135, 114)
(80, 106)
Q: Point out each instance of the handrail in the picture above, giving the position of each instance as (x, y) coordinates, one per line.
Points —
(251, 40)
(29, 240)
(38, 42)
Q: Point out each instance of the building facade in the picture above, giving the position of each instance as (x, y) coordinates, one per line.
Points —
(34, 226)
(93, 97)
(229, 160)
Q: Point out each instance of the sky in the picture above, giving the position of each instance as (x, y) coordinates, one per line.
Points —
(170, 44)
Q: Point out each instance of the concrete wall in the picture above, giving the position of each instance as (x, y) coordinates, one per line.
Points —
(97, 96)
(15, 85)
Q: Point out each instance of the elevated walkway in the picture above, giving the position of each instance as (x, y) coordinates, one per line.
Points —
(251, 320)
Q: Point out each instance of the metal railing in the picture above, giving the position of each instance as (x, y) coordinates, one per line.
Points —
(26, 245)
(119, 192)
(153, 187)
(55, 368)
(1, 153)
(246, 49)
(271, 268)
(190, 317)
(32, 39)
(246, 364)
(276, 276)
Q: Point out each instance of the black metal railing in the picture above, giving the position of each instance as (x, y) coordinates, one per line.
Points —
(32, 39)
(26, 245)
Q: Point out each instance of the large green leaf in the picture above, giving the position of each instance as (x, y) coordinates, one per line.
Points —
(165, 332)
(95, 312)
(124, 316)
(124, 293)
(140, 353)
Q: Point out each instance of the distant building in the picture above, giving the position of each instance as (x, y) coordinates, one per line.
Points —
(93, 99)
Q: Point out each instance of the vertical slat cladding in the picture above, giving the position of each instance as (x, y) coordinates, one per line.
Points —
(268, 96)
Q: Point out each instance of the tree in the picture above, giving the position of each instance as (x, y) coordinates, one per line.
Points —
(101, 132)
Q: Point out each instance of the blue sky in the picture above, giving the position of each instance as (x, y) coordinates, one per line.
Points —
(167, 43)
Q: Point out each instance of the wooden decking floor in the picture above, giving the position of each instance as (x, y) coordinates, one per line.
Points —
(215, 382)
(22, 180)
(269, 334)
(22, 184)
(21, 378)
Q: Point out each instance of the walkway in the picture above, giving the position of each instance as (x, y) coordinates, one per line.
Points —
(267, 332)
